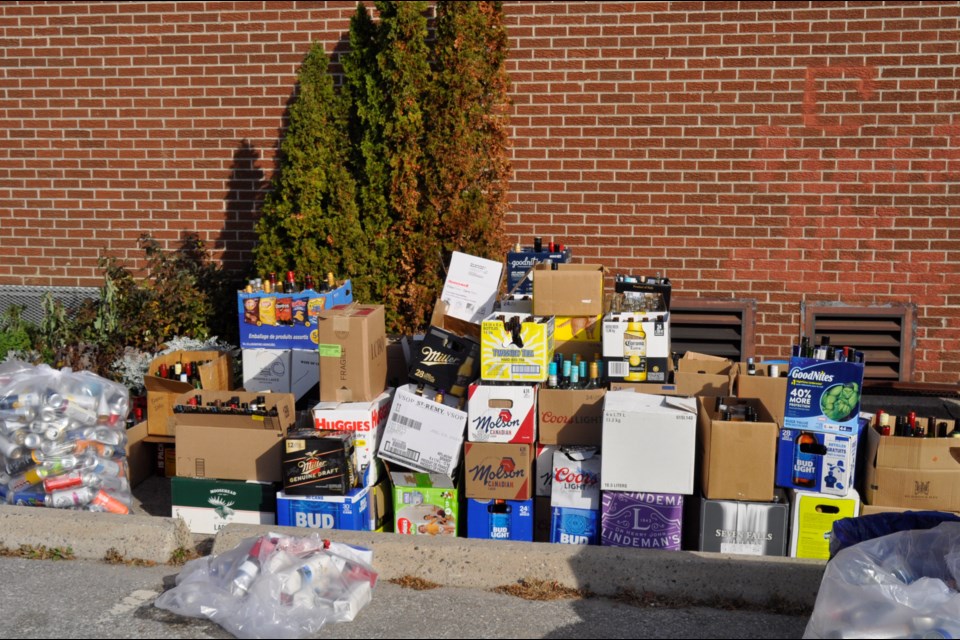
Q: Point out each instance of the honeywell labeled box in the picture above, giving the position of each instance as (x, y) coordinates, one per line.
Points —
(568, 290)
(216, 374)
(516, 356)
(423, 434)
(498, 471)
(353, 355)
(656, 345)
(502, 413)
(471, 287)
(366, 421)
(649, 443)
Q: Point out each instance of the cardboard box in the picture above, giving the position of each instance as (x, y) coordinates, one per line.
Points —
(771, 391)
(915, 473)
(500, 519)
(140, 454)
(504, 358)
(445, 361)
(745, 528)
(576, 478)
(498, 413)
(649, 388)
(166, 459)
(520, 264)
(816, 462)
(656, 363)
(543, 486)
(471, 287)
(293, 371)
(871, 509)
(655, 290)
(318, 463)
(353, 355)
(823, 395)
(262, 327)
(216, 374)
(649, 443)
(700, 374)
(424, 504)
(574, 526)
(366, 421)
(812, 518)
(542, 515)
(516, 303)
(578, 329)
(422, 434)
(229, 446)
(737, 459)
(208, 505)
(348, 512)
(568, 290)
(498, 471)
(570, 416)
(641, 520)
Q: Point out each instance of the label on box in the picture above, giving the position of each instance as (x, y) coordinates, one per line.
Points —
(823, 395)
(422, 434)
(471, 287)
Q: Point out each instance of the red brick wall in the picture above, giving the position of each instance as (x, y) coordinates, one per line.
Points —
(776, 151)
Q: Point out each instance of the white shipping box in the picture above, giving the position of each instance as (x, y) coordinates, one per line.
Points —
(576, 478)
(649, 443)
(293, 371)
(422, 434)
(366, 420)
(504, 414)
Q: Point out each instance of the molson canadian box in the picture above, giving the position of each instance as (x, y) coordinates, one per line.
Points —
(517, 356)
(505, 414)
(498, 471)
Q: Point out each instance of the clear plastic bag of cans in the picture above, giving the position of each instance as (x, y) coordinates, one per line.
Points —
(63, 439)
(901, 585)
(275, 586)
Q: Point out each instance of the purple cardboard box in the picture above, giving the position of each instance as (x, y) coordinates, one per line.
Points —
(641, 520)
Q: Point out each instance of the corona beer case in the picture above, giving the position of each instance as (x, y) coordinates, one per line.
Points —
(505, 358)
(657, 329)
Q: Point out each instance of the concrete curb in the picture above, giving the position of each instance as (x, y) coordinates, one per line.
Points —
(485, 564)
(90, 535)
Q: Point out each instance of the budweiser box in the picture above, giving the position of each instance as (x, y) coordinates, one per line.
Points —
(353, 355)
(745, 528)
(208, 505)
(521, 263)
(216, 374)
(318, 463)
(641, 520)
(576, 478)
(295, 371)
(568, 290)
(700, 374)
(366, 422)
(233, 444)
(424, 504)
(649, 443)
(500, 519)
(570, 416)
(811, 521)
(823, 396)
(445, 361)
(516, 357)
(915, 473)
(285, 320)
(738, 459)
(422, 434)
(574, 526)
(498, 471)
(498, 413)
(817, 462)
(771, 390)
(350, 511)
(656, 363)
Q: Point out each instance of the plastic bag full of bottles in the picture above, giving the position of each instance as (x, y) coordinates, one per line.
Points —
(63, 439)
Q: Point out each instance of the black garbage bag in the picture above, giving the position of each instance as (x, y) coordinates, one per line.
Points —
(850, 531)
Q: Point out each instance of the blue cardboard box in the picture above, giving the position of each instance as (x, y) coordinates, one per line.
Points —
(350, 511)
(574, 526)
(500, 519)
(823, 395)
(285, 320)
(520, 262)
(818, 462)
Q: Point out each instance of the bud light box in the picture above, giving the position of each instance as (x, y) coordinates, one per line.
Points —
(574, 526)
(285, 320)
(823, 395)
(350, 511)
(498, 471)
(814, 461)
(209, 505)
(576, 478)
(641, 520)
(506, 414)
(366, 421)
(500, 519)
(424, 504)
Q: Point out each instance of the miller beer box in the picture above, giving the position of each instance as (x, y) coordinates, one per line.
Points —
(812, 518)
(745, 528)
(445, 361)
(353, 352)
(349, 512)
(286, 320)
(424, 504)
(646, 334)
(520, 264)
(505, 414)
(498, 471)
(423, 434)
(208, 505)
(500, 519)
(641, 520)
(318, 463)
(569, 525)
(521, 355)
(366, 422)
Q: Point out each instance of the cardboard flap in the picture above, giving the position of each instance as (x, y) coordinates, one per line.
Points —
(693, 362)
(462, 328)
